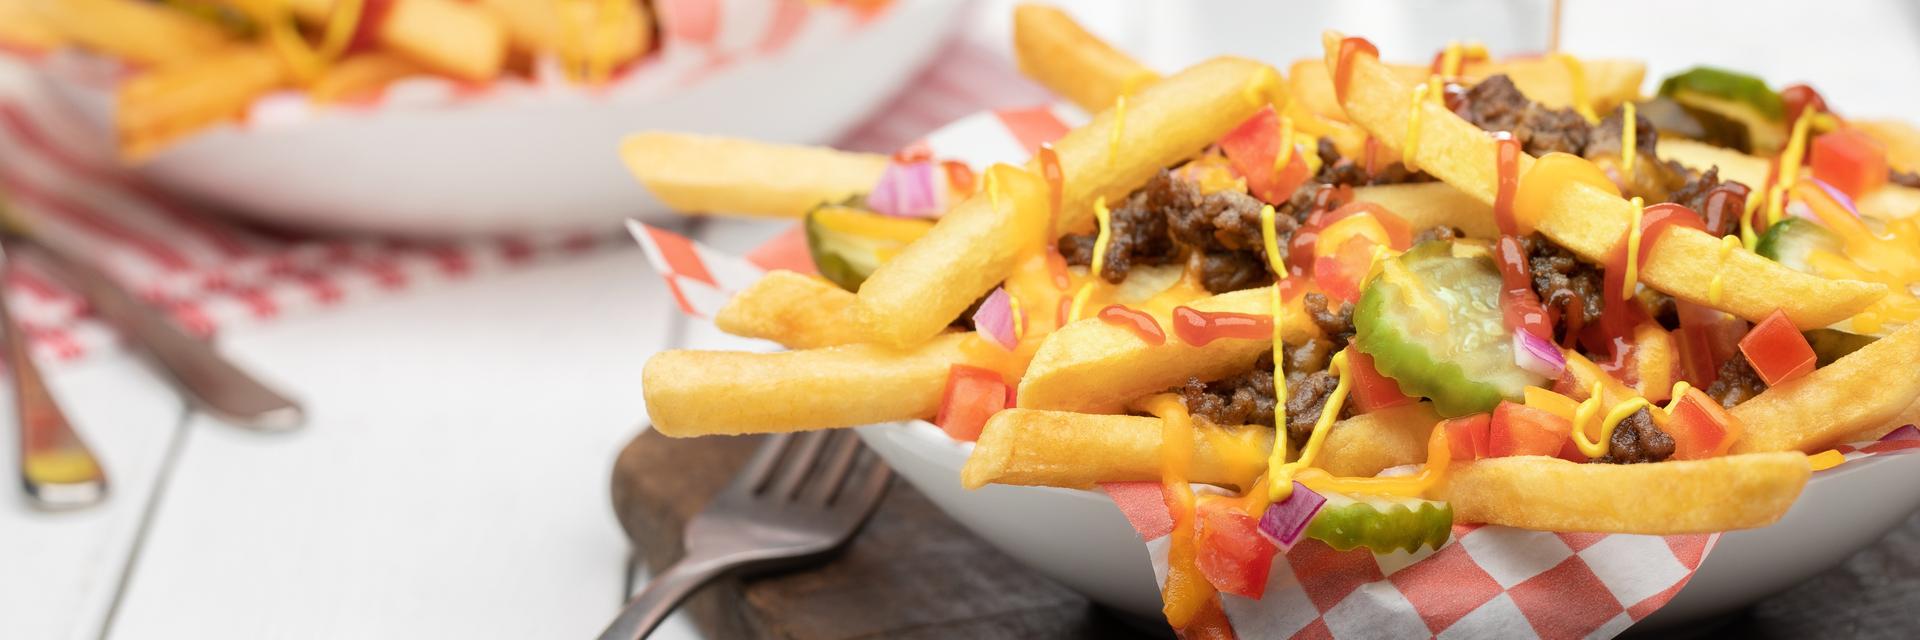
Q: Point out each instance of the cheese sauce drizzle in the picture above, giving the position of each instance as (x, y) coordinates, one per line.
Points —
(1632, 274)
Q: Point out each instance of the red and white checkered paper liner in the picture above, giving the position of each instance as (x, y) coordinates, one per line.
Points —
(699, 39)
(1487, 581)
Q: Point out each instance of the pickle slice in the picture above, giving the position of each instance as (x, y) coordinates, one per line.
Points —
(1735, 96)
(848, 243)
(1432, 323)
(1382, 524)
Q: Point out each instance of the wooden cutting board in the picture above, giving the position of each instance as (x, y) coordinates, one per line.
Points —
(915, 573)
(911, 573)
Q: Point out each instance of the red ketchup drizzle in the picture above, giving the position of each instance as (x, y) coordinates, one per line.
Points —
(1134, 320)
(1507, 167)
(1065, 313)
(1621, 316)
(1050, 169)
(916, 152)
(1057, 267)
(1518, 302)
(960, 176)
(1343, 68)
(1198, 328)
(1369, 151)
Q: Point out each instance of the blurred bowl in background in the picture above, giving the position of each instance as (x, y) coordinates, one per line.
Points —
(430, 160)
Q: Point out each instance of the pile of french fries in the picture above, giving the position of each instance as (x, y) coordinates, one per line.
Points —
(1084, 385)
(204, 61)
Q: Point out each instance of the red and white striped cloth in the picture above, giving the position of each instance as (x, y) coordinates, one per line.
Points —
(64, 180)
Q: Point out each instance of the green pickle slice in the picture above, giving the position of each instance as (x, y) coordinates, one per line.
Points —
(1465, 366)
(1382, 524)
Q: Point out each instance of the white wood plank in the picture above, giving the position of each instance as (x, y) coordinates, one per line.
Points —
(59, 571)
(452, 481)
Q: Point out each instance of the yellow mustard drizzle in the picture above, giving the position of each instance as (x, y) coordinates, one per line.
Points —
(1280, 478)
(1748, 236)
(1715, 289)
(1789, 170)
(1119, 126)
(1590, 408)
(1577, 76)
(1633, 250)
(1412, 144)
(1019, 319)
(1629, 140)
(1100, 240)
(1455, 55)
(1269, 237)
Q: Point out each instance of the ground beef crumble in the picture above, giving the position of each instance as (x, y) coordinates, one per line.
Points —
(1904, 178)
(1248, 397)
(1737, 382)
(1495, 104)
(1637, 440)
(1335, 323)
(1564, 283)
(1441, 232)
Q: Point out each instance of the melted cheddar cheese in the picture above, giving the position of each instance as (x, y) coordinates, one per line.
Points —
(1100, 240)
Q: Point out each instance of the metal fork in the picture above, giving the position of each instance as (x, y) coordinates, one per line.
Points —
(787, 508)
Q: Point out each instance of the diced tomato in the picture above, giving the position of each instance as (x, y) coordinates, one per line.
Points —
(1563, 407)
(1520, 430)
(1232, 554)
(1851, 161)
(1340, 274)
(1467, 436)
(1251, 149)
(1777, 350)
(1700, 427)
(972, 396)
(1371, 390)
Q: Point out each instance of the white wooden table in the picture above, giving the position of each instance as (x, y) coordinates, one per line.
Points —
(452, 480)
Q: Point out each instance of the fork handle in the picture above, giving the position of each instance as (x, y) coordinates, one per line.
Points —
(662, 594)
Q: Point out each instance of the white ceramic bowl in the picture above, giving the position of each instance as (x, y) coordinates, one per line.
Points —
(528, 160)
(1080, 540)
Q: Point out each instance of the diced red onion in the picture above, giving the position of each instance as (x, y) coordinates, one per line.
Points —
(1798, 209)
(995, 319)
(1285, 521)
(1839, 196)
(1906, 432)
(906, 190)
(1537, 355)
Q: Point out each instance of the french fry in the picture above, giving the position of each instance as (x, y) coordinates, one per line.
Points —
(1545, 80)
(1363, 445)
(1430, 204)
(1080, 450)
(913, 296)
(1661, 498)
(1096, 367)
(141, 32)
(702, 174)
(797, 311)
(1836, 403)
(169, 103)
(624, 30)
(1902, 140)
(1588, 221)
(361, 75)
(447, 36)
(22, 27)
(975, 246)
(694, 393)
(1890, 202)
(1056, 52)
